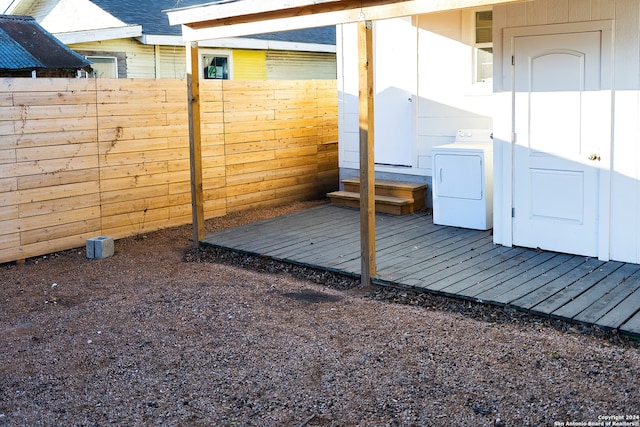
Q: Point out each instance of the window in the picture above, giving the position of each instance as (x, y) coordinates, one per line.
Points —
(483, 50)
(215, 66)
(105, 67)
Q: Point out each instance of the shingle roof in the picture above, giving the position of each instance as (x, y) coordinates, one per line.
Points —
(25, 45)
(154, 21)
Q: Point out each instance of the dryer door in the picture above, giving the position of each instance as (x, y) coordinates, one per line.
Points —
(458, 175)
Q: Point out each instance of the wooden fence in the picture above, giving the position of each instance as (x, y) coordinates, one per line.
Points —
(81, 158)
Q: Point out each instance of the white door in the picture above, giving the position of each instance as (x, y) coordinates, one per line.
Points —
(561, 123)
(395, 78)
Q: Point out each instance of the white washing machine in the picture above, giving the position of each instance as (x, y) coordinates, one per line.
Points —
(463, 181)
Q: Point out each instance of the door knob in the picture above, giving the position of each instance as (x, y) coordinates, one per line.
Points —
(594, 157)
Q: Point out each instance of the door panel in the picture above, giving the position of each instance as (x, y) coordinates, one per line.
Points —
(395, 85)
(556, 90)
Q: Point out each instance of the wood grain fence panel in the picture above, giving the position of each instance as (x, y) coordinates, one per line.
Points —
(8, 213)
(58, 138)
(51, 167)
(69, 229)
(55, 205)
(82, 157)
(8, 156)
(8, 184)
(64, 217)
(68, 151)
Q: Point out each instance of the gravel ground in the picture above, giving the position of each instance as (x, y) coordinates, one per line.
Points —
(162, 334)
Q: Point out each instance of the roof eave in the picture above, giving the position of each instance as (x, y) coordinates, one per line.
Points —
(219, 20)
(241, 43)
(101, 34)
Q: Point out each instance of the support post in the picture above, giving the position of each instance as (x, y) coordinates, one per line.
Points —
(367, 166)
(195, 145)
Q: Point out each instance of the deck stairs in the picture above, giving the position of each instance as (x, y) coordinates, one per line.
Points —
(392, 197)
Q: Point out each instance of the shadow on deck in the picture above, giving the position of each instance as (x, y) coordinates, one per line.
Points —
(413, 252)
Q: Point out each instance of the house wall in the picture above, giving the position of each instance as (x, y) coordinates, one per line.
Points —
(140, 58)
(289, 65)
(81, 158)
(148, 61)
(623, 224)
(171, 62)
(249, 65)
(446, 100)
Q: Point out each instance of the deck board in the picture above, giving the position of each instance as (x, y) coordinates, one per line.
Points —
(594, 293)
(413, 252)
(623, 303)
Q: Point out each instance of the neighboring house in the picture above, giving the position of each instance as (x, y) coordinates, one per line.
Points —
(127, 39)
(563, 103)
(28, 50)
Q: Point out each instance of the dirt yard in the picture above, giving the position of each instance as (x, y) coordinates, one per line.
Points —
(160, 334)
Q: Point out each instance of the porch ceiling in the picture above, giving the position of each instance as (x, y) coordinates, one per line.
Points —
(232, 18)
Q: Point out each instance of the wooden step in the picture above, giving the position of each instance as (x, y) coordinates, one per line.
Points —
(386, 204)
(393, 197)
(402, 190)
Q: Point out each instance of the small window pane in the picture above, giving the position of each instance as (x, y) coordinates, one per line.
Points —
(484, 64)
(216, 67)
(484, 26)
(104, 68)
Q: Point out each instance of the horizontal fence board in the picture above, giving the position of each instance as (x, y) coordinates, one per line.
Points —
(35, 112)
(8, 242)
(47, 247)
(58, 205)
(8, 156)
(59, 231)
(53, 166)
(16, 85)
(9, 213)
(48, 193)
(28, 154)
(54, 125)
(87, 157)
(59, 218)
(8, 184)
(55, 138)
(54, 98)
(58, 178)
(7, 128)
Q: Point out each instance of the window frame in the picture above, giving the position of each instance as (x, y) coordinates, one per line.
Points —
(215, 54)
(478, 46)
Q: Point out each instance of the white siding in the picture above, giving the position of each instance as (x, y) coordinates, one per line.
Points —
(39, 10)
(172, 63)
(447, 98)
(348, 127)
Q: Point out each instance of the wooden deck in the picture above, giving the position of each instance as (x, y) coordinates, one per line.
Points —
(460, 263)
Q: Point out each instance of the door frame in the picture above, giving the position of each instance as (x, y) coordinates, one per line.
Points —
(508, 160)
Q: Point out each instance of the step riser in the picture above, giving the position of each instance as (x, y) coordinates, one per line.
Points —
(383, 191)
(380, 206)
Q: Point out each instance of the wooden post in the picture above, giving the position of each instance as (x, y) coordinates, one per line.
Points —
(195, 145)
(367, 167)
